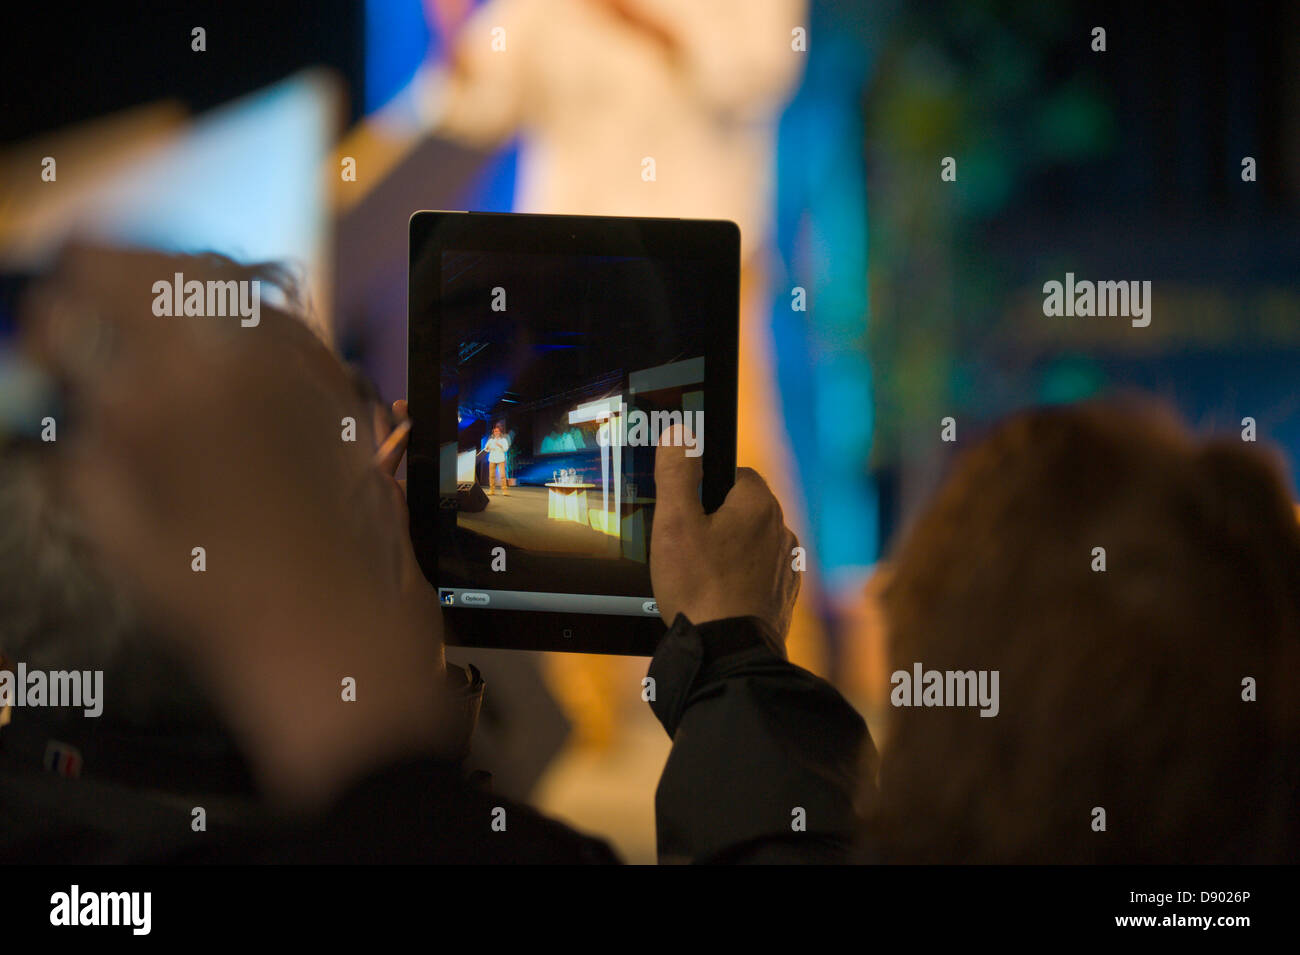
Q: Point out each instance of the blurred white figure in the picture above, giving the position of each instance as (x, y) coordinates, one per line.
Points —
(622, 107)
(496, 447)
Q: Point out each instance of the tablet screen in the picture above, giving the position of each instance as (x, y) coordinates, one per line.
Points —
(564, 372)
(549, 357)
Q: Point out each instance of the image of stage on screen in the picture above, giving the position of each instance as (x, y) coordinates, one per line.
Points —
(560, 371)
(568, 476)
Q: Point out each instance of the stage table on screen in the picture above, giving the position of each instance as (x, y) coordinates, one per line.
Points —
(568, 502)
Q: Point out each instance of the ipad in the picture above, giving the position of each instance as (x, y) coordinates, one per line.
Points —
(547, 355)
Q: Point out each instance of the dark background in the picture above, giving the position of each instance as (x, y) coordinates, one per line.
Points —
(64, 62)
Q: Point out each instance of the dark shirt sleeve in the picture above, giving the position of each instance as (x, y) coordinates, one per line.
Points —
(766, 757)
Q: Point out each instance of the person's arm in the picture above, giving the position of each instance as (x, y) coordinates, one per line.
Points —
(766, 757)
(477, 95)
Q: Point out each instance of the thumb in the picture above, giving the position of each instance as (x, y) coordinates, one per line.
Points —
(677, 480)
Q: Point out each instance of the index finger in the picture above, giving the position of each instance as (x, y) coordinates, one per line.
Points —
(394, 446)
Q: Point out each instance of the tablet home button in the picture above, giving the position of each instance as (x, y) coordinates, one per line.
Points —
(474, 600)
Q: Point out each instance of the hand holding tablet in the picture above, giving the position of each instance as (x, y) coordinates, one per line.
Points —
(735, 562)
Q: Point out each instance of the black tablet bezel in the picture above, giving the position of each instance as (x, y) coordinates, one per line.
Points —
(432, 232)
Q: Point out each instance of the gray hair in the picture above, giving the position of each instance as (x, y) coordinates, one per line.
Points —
(59, 611)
